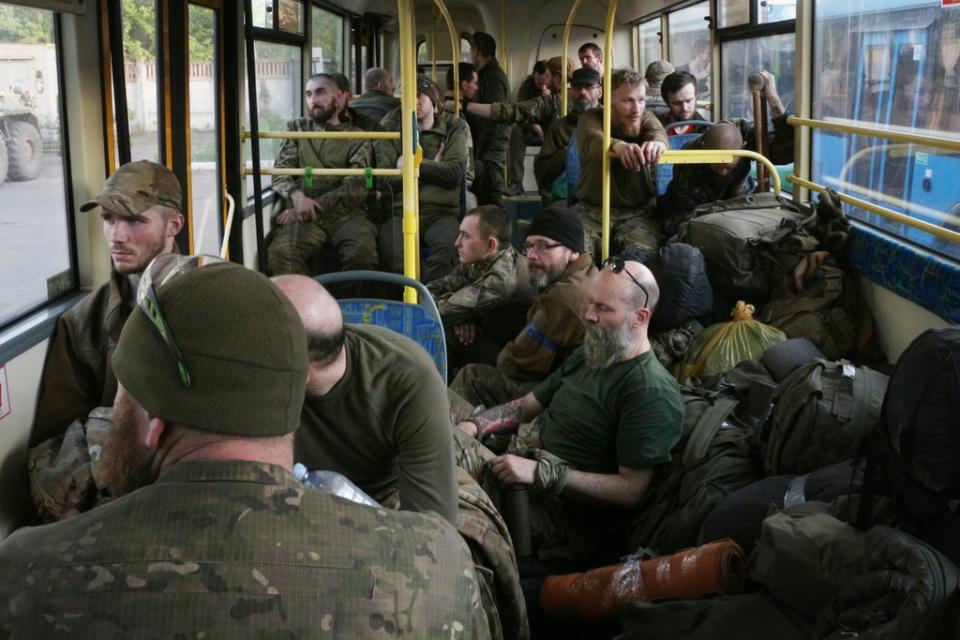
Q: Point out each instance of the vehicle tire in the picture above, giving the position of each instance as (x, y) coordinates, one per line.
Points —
(3, 162)
(25, 150)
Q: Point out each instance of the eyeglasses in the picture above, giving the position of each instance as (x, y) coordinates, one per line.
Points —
(616, 265)
(161, 270)
(539, 247)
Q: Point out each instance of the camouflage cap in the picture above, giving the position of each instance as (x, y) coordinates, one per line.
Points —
(426, 85)
(135, 187)
(657, 71)
(555, 65)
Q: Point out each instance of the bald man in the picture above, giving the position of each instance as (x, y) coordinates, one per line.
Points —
(376, 408)
(697, 184)
(591, 436)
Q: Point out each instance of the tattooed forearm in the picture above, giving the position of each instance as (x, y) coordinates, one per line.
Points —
(502, 419)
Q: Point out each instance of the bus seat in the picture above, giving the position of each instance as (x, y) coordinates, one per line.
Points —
(665, 170)
(419, 322)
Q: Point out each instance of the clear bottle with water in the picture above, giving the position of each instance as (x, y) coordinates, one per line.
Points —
(333, 482)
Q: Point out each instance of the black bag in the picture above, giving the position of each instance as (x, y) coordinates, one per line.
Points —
(750, 243)
(685, 292)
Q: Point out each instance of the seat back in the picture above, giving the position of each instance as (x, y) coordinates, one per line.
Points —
(665, 170)
(419, 322)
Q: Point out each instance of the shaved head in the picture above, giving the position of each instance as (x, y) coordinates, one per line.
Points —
(635, 294)
(320, 314)
(724, 135)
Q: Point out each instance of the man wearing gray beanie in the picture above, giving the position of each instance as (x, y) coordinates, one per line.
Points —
(560, 272)
(210, 534)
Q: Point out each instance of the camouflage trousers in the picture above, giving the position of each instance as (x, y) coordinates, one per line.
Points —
(438, 232)
(483, 384)
(292, 248)
(628, 227)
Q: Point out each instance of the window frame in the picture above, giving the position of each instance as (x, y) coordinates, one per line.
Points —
(17, 334)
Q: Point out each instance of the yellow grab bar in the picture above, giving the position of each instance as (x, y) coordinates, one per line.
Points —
(899, 136)
(933, 229)
(566, 45)
(454, 54)
(408, 114)
(325, 135)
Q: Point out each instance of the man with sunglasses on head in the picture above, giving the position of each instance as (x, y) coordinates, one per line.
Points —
(210, 534)
(560, 273)
(591, 436)
(140, 208)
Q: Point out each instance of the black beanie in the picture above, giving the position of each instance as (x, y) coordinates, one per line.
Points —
(560, 225)
(242, 342)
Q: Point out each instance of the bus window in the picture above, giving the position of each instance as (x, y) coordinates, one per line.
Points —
(290, 16)
(741, 58)
(689, 46)
(35, 244)
(204, 134)
(140, 49)
(890, 68)
(733, 13)
(327, 42)
(649, 34)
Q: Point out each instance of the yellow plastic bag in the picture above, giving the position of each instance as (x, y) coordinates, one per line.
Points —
(720, 347)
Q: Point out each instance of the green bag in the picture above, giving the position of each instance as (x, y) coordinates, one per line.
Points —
(751, 242)
(824, 410)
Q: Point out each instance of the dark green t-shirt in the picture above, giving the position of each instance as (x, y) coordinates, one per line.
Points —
(627, 415)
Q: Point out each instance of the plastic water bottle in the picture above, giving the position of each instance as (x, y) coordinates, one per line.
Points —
(333, 482)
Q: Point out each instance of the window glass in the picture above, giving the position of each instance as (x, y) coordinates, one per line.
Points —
(263, 13)
(279, 99)
(732, 13)
(776, 10)
(327, 52)
(140, 42)
(689, 47)
(34, 235)
(741, 58)
(290, 17)
(204, 136)
(892, 68)
(649, 42)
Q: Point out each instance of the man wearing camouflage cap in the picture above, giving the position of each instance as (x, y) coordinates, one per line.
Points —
(211, 535)
(140, 208)
(654, 75)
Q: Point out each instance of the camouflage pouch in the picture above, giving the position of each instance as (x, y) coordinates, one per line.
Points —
(65, 473)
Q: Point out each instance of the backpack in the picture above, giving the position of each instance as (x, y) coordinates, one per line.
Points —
(913, 456)
(823, 412)
(681, 274)
(713, 459)
(750, 243)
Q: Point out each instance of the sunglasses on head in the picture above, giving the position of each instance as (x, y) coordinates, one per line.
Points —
(617, 264)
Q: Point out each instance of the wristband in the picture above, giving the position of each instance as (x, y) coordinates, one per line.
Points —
(550, 477)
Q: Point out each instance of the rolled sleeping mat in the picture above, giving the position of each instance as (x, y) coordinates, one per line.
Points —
(600, 594)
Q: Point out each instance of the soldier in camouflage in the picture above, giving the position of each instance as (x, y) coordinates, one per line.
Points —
(140, 208)
(213, 536)
(477, 301)
(638, 141)
(322, 210)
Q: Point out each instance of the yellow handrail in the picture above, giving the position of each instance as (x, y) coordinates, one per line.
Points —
(899, 136)
(566, 45)
(891, 200)
(300, 171)
(410, 167)
(933, 229)
(454, 54)
(607, 127)
(325, 135)
(721, 156)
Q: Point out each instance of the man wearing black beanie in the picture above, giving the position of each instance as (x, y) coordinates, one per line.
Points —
(560, 271)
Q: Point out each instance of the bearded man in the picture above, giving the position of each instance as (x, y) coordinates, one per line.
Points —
(591, 436)
(322, 210)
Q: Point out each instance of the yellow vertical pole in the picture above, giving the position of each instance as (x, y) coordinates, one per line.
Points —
(607, 100)
(433, 45)
(566, 45)
(454, 55)
(408, 119)
(804, 84)
(504, 52)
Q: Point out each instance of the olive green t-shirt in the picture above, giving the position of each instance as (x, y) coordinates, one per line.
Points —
(629, 414)
(385, 425)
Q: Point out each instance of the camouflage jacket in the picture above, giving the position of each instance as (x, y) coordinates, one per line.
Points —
(541, 110)
(335, 194)
(478, 286)
(78, 376)
(628, 189)
(554, 327)
(234, 549)
(551, 162)
(444, 161)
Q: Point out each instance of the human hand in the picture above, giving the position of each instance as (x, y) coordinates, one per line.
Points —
(466, 333)
(510, 469)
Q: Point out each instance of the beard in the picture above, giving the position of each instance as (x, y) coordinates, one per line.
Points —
(602, 347)
(541, 278)
(321, 115)
(127, 464)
